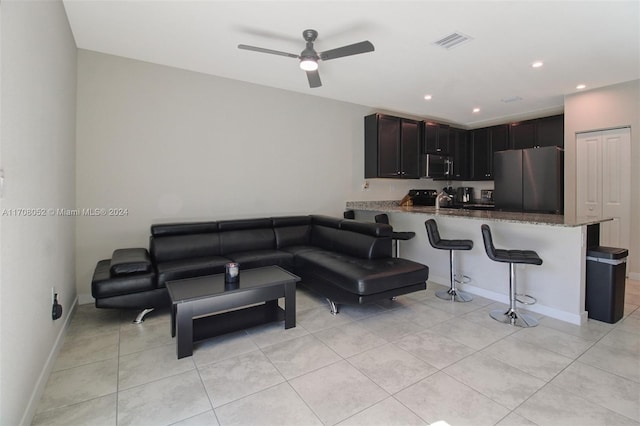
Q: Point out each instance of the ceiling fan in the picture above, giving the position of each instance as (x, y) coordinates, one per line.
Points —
(309, 57)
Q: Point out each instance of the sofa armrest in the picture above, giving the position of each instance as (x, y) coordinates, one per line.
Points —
(130, 261)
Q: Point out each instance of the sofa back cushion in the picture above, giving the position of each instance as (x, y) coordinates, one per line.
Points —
(358, 239)
(246, 235)
(292, 231)
(185, 228)
(176, 247)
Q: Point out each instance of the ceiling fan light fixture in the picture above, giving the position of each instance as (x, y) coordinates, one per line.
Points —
(308, 64)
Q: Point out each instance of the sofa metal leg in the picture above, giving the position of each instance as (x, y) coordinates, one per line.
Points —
(333, 306)
(140, 318)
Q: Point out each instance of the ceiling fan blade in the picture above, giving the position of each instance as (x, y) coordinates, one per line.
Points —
(352, 49)
(314, 79)
(263, 50)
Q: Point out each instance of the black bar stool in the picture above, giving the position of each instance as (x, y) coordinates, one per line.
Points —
(396, 236)
(349, 214)
(452, 245)
(512, 257)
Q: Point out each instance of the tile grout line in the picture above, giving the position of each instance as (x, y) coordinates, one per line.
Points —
(549, 382)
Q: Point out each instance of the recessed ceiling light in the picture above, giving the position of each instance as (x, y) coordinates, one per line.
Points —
(537, 64)
(476, 110)
(427, 97)
(580, 86)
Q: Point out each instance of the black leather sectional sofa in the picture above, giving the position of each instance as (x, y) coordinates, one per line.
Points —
(346, 261)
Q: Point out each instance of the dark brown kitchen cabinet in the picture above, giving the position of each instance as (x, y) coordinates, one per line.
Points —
(547, 131)
(479, 154)
(484, 142)
(550, 131)
(436, 138)
(460, 152)
(522, 135)
(392, 147)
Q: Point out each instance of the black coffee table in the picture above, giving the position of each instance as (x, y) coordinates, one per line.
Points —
(204, 307)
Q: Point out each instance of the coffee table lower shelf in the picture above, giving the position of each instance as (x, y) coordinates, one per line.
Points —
(239, 319)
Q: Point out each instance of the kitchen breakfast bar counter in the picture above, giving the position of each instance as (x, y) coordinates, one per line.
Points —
(561, 241)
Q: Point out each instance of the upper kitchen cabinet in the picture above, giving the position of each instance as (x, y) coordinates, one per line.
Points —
(550, 131)
(391, 147)
(484, 142)
(522, 135)
(460, 151)
(479, 163)
(436, 138)
(547, 131)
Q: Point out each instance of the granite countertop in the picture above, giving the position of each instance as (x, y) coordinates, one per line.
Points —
(393, 206)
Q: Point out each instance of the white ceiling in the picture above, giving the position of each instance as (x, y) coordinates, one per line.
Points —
(593, 43)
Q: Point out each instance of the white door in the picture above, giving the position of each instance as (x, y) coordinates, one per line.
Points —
(603, 173)
(589, 175)
(616, 191)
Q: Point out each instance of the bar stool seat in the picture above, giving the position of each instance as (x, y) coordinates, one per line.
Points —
(452, 245)
(512, 257)
(396, 236)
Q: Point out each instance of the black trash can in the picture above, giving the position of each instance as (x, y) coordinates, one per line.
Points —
(606, 273)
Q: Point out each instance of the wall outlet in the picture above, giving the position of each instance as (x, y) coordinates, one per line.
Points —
(365, 185)
(56, 307)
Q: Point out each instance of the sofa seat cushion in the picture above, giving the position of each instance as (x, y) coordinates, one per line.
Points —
(361, 276)
(189, 268)
(104, 284)
(295, 250)
(259, 258)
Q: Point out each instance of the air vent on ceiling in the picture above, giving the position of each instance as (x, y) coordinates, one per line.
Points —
(452, 40)
(511, 99)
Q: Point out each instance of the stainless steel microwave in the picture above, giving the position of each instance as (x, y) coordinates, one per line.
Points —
(437, 167)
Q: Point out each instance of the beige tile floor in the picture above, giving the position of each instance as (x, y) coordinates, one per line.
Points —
(415, 361)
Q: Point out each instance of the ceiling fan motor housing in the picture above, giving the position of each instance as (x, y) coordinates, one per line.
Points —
(310, 35)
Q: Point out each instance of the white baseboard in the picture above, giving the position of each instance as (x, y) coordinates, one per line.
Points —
(85, 299)
(634, 276)
(38, 390)
(503, 298)
(577, 319)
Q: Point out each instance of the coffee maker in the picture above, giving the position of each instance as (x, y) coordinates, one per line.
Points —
(464, 195)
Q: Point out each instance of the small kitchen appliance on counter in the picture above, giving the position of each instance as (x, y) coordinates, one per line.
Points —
(464, 195)
(423, 197)
(486, 196)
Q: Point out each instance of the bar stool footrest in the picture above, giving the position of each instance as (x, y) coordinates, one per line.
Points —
(532, 300)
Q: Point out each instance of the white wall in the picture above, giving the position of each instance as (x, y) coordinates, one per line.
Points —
(608, 107)
(37, 155)
(173, 145)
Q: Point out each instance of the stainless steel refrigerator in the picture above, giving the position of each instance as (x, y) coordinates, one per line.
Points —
(529, 180)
